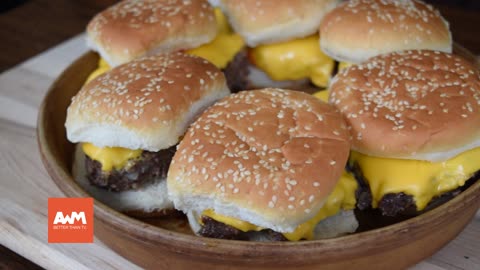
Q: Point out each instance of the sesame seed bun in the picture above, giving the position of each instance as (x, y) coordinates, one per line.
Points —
(420, 105)
(133, 28)
(267, 21)
(144, 104)
(270, 157)
(358, 30)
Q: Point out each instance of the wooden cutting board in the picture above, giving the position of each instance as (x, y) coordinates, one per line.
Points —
(25, 186)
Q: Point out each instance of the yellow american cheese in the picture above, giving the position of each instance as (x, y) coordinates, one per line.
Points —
(342, 197)
(322, 95)
(110, 157)
(421, 179)
(234, 222)
(294, 60)
(342, 65)
(102, 68)
(224, 47)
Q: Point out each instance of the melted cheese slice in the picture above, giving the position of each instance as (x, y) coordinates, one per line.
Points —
(342, 65)
(421, 179)
(110, 157)
(102, 68)
(224, 47)
(294, 60)
(342, 197)
(322, 95)
(234, 222)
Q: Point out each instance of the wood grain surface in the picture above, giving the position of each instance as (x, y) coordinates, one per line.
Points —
(33, 26)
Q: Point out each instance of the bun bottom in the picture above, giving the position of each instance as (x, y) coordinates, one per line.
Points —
(258, 79)
(340, 224)
(150, 200)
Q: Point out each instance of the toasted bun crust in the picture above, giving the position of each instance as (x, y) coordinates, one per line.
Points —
(413, 105)
(133, 28)
(144, 104)
(149, 200)
(269, 21)
(269, 157)
(358, 30)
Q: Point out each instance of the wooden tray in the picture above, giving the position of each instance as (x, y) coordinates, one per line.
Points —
(163, 244)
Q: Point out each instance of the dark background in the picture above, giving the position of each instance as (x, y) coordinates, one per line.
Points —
(28, 27)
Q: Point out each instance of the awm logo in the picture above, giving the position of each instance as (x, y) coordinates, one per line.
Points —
(70, 220)
(61, 219)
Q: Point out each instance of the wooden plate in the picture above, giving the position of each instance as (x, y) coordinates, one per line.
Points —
(161, 243)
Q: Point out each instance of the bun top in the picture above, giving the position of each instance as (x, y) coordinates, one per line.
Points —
(413, 105)
(144, 104)
(270, 157)
(358, 30)
(268, 21)
(133, 28)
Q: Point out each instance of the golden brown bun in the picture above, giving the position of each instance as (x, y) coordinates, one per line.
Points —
(413, 104)
(270, 157)
(358, 30)
(269, 21)
(133, 28)
(145, 104)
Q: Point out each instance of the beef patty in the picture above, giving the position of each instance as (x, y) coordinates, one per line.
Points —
(215, 229)
(144, 169)
(393, 204)
(236, 72)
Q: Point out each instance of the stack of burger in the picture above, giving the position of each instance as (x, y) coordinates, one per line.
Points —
(158, 130)
(413, 120)
(358, 30)
(409, 103)
(283, 41)
(132, 29)
(127, 122)
(265, 164)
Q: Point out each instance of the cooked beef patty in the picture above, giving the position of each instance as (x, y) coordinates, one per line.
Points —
(138, 171)
(215, 229)
(236, 72)
(393, 204)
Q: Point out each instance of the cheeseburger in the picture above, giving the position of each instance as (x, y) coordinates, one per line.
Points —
(134, 28)
(265, 165)
(414, 120)
(359, 29)
(127, 122)
(283, 40)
